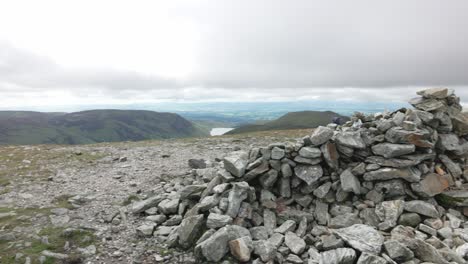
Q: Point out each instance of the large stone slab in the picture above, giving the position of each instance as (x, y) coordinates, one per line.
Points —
(407, 174)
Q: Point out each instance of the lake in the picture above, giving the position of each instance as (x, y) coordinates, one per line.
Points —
(218, 131)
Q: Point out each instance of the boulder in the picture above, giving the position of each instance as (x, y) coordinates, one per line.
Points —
(362, 237)
(390, 150)
(236, 163)
(321, 135)
(309, 174)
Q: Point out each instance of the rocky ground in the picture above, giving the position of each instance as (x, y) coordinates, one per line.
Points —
(60, 202)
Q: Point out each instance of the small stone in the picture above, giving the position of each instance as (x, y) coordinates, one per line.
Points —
(265, 250)
(146, 230)
(241, 248)
(197, 163)
(216, 221)
(259, 233)
(236, 163)
(408, 174)
(338, 256)
(294, 243)
(349, 182)
(397, 251)
(287, 226)
(309, 174)
(422, 208)
(277, 153)
(322, 190)
(389, 150)
(362, 238)
(310, 153)
(321, 135)
(367, 258)
(189, 230)
(409, 219)
(168, 206)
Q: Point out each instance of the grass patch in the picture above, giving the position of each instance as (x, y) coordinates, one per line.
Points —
(57, 237)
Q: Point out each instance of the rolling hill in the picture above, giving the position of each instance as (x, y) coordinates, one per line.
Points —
(292, 120)
(23, 127)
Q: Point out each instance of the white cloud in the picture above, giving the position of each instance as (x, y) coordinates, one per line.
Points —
(87, 52)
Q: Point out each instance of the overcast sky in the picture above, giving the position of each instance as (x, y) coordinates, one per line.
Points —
(112, 52)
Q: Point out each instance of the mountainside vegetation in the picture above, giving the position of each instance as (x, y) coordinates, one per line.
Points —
(94, 126)
(292, 120)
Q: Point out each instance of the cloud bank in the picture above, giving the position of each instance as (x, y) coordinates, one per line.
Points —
(230, 51)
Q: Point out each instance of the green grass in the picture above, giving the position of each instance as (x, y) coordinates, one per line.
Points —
(292, 120)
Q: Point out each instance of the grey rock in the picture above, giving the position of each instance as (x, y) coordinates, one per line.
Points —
(394, 163)
(302, 160)
(409, 219)
(338, 256)
(426, 104)
(190, 230)
(452, 167)
(460, 124)
(322, 190)
(296, 244)
(158, 219)
(145, 230)
(285, 187)
(169, 206)
(369, 217)
(349, 182)
(321, 135)
(423, 250)
(367, 258)
(265, 250)
(434, 93)
(259, 233)
(216, 246)
(286, 170)
(174, 220)
(294, 259)
(391, 188)
(276, 239)
(388, 213)
(268, 179)
(344, 220)
(269, 220)
(236, 163)
(422, 208)
(362, 238)
(197, 163)
(331, 242)
(6, 237)
(321, 212)
(310, 153)
(191, 191)
(141, 206)
(408, 174)
(309, 174)
(262, 168)
(238, 193)
(397, 251)
(54, 255)
(216, 221)
(287, 226)
(277, 153)
(418, 138)
(390, 150)
(351, 139)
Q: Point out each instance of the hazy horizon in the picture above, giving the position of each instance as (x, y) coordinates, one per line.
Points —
(237, 51)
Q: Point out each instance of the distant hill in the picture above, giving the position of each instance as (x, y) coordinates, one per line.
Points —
(292, 120)
(23, 127)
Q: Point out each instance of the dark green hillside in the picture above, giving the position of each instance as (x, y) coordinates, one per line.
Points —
(292, 120)
(93, 126)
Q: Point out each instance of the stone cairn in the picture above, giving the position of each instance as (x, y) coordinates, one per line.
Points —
(384, 188)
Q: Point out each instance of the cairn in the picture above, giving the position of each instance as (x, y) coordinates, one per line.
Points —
(382, 188)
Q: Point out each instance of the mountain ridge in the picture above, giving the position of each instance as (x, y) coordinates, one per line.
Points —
(92, 126)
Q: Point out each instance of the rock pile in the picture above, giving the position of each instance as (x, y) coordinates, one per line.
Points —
(384, 188)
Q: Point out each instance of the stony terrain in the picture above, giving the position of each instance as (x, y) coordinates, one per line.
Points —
(385, 188)
(46, 189)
